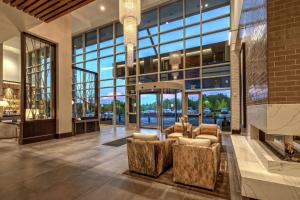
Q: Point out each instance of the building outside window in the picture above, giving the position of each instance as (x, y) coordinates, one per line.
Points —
(198, 33)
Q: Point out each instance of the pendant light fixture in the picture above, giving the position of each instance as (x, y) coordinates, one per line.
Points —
(130, 17)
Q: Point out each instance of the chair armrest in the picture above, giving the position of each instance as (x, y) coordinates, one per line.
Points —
(196, 132)
(219, 135)
(169, 130)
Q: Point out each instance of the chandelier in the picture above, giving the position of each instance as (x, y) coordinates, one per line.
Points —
(130, 17)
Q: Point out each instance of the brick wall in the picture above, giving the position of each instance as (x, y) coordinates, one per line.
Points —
(283, 61)
(254, 19)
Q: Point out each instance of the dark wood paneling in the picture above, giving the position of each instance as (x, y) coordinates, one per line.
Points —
(38, 130)
(47, 10)
(63, 135)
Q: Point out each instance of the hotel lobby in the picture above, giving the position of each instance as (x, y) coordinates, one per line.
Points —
(149, 99)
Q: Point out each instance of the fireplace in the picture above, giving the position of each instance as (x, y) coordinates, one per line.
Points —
(285, 147)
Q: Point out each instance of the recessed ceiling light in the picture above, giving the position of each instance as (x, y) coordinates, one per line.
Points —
(102, 8)
(206, 5)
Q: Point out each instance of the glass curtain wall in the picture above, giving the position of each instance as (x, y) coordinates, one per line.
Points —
(196, 30)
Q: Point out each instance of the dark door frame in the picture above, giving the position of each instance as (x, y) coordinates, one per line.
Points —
(44, 129)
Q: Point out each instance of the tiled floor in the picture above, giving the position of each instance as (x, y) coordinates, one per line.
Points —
(76, 168)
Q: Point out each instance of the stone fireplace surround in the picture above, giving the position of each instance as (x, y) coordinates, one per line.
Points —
(280, 121)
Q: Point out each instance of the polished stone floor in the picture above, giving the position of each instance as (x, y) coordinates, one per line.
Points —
(78, 168)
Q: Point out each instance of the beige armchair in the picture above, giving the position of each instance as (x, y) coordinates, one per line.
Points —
(208, 131)
(177, 130)
(149, 157)
(8, 131)
(196, 165)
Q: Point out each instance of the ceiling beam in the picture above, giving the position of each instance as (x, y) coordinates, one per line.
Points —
(85, 2)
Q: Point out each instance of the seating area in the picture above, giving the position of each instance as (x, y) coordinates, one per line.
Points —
(195, 157)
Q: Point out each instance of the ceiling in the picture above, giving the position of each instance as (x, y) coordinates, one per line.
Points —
(91, 16)
(13, 21)
(47, 10)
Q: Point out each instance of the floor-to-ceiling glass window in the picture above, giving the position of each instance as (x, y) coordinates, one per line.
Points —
(195, 31)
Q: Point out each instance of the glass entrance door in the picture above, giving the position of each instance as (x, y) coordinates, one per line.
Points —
(194, 108)
(149, 110)
(169, 110)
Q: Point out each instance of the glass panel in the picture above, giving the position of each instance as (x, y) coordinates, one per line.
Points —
(148, 110)
(120, 48)
(77, 45)
(177, 75)
(106, 68)
(171, 60)
(120, 107)
(131, 90)
(107, 92)
(216, 25)
(192, 84)
(106, 110)
(216, 71)
(84, 94)
(171, 36)
(169, 110)
(192, 43)
(211, 10)
(220, 82)
(148, 60)
(132, 70)
(91, 41)
(107, 83)
(120, 90)
(171, 16)
(148, 78)
(192, 58)
(120, 61)
(192, 11)
(192, 30)
(216, 108)
(193, 109)
(194, 73)
(215, 38)
(132, 104)
(106, 52)
(175, 46)
(213, 54)
(92, 55)
(91, 65)
(153, 40)
(131, 80)
(40, 59)
(106, 37)
(77, 59)
(148, 24)
(119, 33)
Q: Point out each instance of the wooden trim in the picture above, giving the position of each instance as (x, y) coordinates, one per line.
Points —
(238, 132)
(37, 139)
(63, 135)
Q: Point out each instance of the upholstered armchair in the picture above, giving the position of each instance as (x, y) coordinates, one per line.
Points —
(196, 165)
(149, 157)
(8, 131)
(208, 131)
(177, 130)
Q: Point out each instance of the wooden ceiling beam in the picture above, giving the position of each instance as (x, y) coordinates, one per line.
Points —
(26, 3)
(43, 7)
(69, 5)
(47, 10)
(34, 6)
(6, 1)
(52, 8)
(17, 2)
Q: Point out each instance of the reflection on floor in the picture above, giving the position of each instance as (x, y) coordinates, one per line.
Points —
(77, 168)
